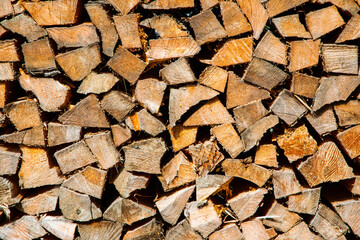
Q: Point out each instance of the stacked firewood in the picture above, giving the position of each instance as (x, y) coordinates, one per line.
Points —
(179, 119)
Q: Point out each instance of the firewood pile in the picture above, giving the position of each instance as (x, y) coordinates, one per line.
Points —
(179, 119)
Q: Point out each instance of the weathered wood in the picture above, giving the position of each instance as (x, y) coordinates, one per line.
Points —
(348, 113)
(182, 136)
(59, 226)
(285, 183)
(89, 107)
(102, 21)
(307, 201)
(303, 54)
(229, 139)
(124, 6)
(351, 30)
(127, 182)
(122, 210)
(9, 161)
(146, 122)
(234, 21)
(97, 83)
(166, 26)
(30, 137)
(243, 169)
(7, 72)
(275, 7)
(304, 85)
(178, 72)
(6, 8)
(182, 231)
(27, 227)
(328, 92)
(348, 140)
(10, 193)
(233, 52)
(85, 59)
(254, 229)
(74, 157)
(59, 134)
(206, 4)
(245, 204)
(169, 4)
(247, 115)
(348, 211)
(118, 104)
(266, 155)
(9, 51)
(227, 232)
(40, 202)
(150, 230)
(323, 21)
(297, 143)
(23, 114)
(210, 184)
(340, 58)
(127, 27)
(270, 48)
(149, 93)
(290, 26)
(299, 231)
(326, 165)
(120, 134)
(102, 229)
(214, 77)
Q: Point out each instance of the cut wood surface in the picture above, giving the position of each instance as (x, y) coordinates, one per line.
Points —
(290, 26)
(128, 29)
(303, 54)
(270, 48)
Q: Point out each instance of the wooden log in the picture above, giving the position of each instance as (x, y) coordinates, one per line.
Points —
(348, 113)
(144, 121)
(304, 85)
(182, 136)
(307, 201)
(205, 156)
(353, 185)
(299, 231)
(9, 51)
(233, 52)
(127, 27)
(249, 93)
(122, 210)
(118, 104)
(346, 6)
(59, 226)
(6, 8)
(102, 21)
(9, 161)
(214, 77)
(18, 8)
(266, 155)
(264, 74)
(303, 54)
(85, 59)
(7, 72)
(326, 165)
(31, 137)
(76, 206)
(149, 93)
(247, 115)
(169, 4)
(179, 171)
(102, 147)
(74, 157)
(256, 14)
(124, 6)
(5, 89)
(27, 227)
(171, 205)
(290, 26)
(25, 26)
(10, 193)
(275, 7)
(297, 143)
(285, 183)
(323, 21)
(166, 26)
(37, 170)
(102, 229)
(229, 139)
(97, 83)
(178, 72)
(350, 31)
(328, 224)
(245, 204)
(59, 12)
(182, 231)
(253, 134)
(327, 91)
(150, 230)
(144, 155)
(3, 31)
(348, 140)
(183, 98)
(120, 134)
(243, 169)
(270, 48)
(52, 94)
(202, 219)
(39, 57)
(234, 21)
(128, 182)
(348, 210)
(88, 106)
(288, 108)
(254, 229)
(59, 134)
(210, 184)
(340, 58)
(40, 202)
(271, 233)
(127, 65)
(206, 4)
(227, 232)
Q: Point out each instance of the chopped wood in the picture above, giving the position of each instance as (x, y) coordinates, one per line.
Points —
(7, 72)
(275, 7)
(59, 226)
(182, 136)
(97, 83)
(348, 113)
(124, 6)
(149, 93)
(303, 54)
(27, 227)
(247, 115)
(89, 106)
(271, 233)
(228, 232)
(210, 184)
(245, 204)
(307, 201)
(85, 59)
(101, 229)
(297, 143)
(102, 21)
(59, 134)
(229, 139)
(348, 211)
(128, 182)
(178, 72)
(247, 92)
(166, 26)
(9, 51)
(146, 122)
(254, 229)
(42, 202)
(206, 4)
(270, 48)
(9, 161)
(118, 104)
(10, 193)
(150, 230)
(285, 183)
(340, 58)
(234, 21)
(348, 140)
(127, 27)
(290, 26)
(323, 21)
(233, 52)
(6, 8)
(353, 185)
(304, 85)
(299, 231)
(346, 6)
(120, 134)
(74, 157)
(169, 4)
(3, 31)
(326, 165)
(243, 169)
(182, 231)
(351, 30)
(214, 77)
(122, 210)
(31, 137)
(266, 155)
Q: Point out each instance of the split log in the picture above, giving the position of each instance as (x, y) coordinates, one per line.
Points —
(348, 140)
(178, 72)
(243, 169)
(59, 226)
(150, 230)
(346, 6)
(247, 115)
(299, 231)
(40, 202)
(169, 4)
(74, 157)
(122, 210)
(266, 155)
(303, 54)
(182, 136)
(348, 113)
(145, 155)
(305, 202)
(254, 229)
(9, 51)
(149, 93)
(275, 7)
(9, 161)
(271, 233)
(85, 59)
(127, 182)
(211, 184)
(213, 77)
(102, 229)
(59, 134)
(10, 193)
(182, 231)
(127, 65)
(88, 106)
(285, 183)
(118, 104)
(31, 137)
(27, 227)
(323, 21)
(166, 26)
(326, 165)
(4, 93)
(102, 21)
(340, 58)
(228, 232)
(351, 30)
(229, 139)
(290, 26)
(6, 8)
(127, 27)
(206, 4)
(97, 83)
(297, 143)
(353, 185)
(120, 134)
(124, 6)
(270, 48)
(3, 31)
(7, 72)
(348, 211)
(144, 121)
(304, 85)
(234, 21)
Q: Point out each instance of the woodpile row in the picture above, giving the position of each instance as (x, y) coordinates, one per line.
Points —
(179, 119)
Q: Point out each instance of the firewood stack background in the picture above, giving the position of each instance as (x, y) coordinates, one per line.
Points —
(179, 119)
